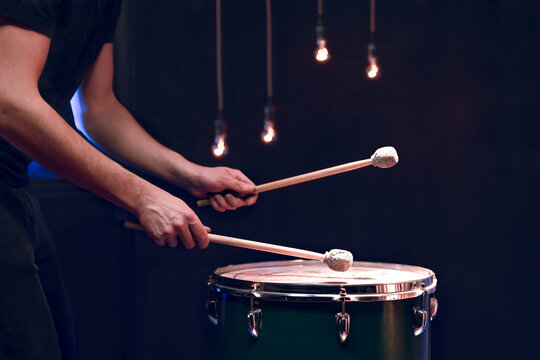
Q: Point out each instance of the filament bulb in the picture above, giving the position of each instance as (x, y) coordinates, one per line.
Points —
(372, 70)
(269, 133)
(219, 147)
(321, 52)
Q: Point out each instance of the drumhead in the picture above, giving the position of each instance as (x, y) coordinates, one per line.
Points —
(307, 280)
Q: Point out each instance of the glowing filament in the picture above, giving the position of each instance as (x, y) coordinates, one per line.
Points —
(219, 148)
(321, 53)
(269, 133)
(372, 70)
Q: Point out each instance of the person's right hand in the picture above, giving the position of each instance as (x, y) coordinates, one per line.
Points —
(167, 219)
(212, 182)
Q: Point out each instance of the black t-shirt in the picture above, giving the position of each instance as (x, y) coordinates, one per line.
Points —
(78, 29)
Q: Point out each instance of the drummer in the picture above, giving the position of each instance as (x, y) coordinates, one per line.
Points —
(48, 49)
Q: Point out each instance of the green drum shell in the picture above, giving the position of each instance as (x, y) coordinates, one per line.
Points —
(303, 325)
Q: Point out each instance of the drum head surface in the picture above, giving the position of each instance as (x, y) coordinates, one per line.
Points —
(364, 281)
(316, 272)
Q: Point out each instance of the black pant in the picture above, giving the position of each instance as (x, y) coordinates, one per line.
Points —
(35, 315)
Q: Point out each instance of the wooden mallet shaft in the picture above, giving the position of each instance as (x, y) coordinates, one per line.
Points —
(250, 244)
(304, 177)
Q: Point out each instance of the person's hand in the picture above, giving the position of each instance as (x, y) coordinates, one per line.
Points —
(211, 182)
(167, 220)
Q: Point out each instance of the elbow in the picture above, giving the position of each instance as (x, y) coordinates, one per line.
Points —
(9, 107)
(90, 114)
(96, 102)
(16, 111)
(87, 111)
(92, 118)
(15, 101)
(88, 122)
(96, 113)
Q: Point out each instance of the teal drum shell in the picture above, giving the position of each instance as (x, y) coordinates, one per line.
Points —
(301, 310)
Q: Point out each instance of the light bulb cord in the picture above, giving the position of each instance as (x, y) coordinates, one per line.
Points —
(372, 17)
(219, 72)
(319, 28)
(269, 85)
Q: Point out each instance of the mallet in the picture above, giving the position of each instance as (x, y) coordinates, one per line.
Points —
(336, 259)
(384, 157)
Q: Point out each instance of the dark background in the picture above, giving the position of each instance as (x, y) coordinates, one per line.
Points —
(458, 99)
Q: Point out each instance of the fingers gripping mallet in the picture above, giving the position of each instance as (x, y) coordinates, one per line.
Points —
(336, 259)
(384, 158)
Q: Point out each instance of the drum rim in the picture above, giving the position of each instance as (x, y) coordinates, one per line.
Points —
(322, 292)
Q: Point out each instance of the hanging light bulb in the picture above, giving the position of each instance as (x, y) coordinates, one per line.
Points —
(219, 147)
(373, 69)
(321, 51)
(268, 134)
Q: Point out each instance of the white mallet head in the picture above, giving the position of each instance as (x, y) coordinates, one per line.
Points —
(385, 157)
(338, 260)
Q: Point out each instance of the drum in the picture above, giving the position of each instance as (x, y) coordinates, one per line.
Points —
(301, 309)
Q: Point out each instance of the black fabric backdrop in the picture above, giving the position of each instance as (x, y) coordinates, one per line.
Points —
(457, 98)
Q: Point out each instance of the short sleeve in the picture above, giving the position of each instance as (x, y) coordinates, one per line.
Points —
(112, 19)
(39, 15)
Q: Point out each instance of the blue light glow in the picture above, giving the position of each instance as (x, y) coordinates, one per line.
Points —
(78, 108)
(35, 170)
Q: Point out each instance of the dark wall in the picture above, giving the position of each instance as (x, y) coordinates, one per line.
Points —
(457, 98)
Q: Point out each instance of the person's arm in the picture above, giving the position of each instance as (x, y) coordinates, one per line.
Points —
(32, 126)
(115, 130)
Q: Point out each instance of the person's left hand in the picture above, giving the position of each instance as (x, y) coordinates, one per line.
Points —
(212, 182)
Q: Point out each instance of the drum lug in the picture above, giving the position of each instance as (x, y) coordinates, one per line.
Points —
(211, 308)
(420, 316)
(433, 307)
(419, 320)
(343, 325)
(254, 321)
(211, 303)
(343, 319)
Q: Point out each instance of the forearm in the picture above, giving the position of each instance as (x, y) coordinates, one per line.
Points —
(33, 127)
(115, 130)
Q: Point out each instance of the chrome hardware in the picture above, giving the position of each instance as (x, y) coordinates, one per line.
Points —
(211, 308)
(420, 315)
(433, 307)
(343, 320)
(211, 303)
(254, 321)
(419, 320)
(343, 326)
